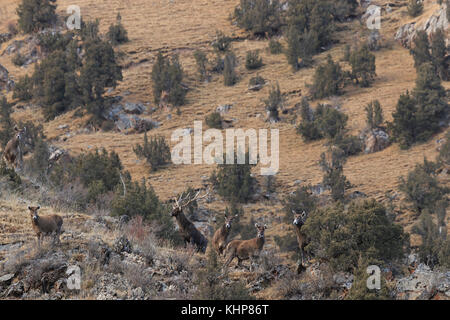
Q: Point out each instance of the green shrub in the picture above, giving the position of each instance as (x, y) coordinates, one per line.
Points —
(259, 16)
(167, 75)
(332, 164)
(374, 114)
(286, 243)
(156, 151)
(328, 80)
(221, 43)
(37, 165)
(422, 188)
(140, 200)
(363, 66)
(234, 181)
(117, 34)
(201, 60)
(98, 170)
(23, 89)
(342, 236)
(415, 8)
(35, 15)
(330, 121)
(274, 102)
(444, 153)
(52, 41)
(253, 60)
(12, 177)
(350, 145)
(214, 120)
(435, 248)
(421, 49)
(300, 200)
(210, 284)
(6, 122)
(229, 74)
(439, 53)
(275, 47)
(18, 59)
(257, 80)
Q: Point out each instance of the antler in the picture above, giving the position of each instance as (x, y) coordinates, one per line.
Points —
(182, 202)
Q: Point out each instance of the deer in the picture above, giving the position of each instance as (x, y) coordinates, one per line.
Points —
(187, 229)
(220, 238)
(299, 221)
(45, 225)
(12, 154)
(246, 249)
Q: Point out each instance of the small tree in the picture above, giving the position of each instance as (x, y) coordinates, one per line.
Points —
(275, 47)
(308, 127)
(363, 66)
(214, 120)
(274, 102)
(403, 127)
(415, 8)
(253, 60)
(343, 236)
(156, 151)
(259, 16)
(6, 122)
(300, 200)
(328, 80)
(421, 49)
(332, 164)
(167, 75)
(374, 114)
(421, 188)
(117, 34)
(23, 88)
(229, 73)
(234, 181)
(201, 61)
(439, 53)
(35, 15)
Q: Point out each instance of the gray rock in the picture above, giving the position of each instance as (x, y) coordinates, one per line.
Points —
(6, 279)
(224, 108)
(134, 108)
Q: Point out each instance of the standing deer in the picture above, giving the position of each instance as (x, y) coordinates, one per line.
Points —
(12, 154)
(188, 230)
(220, 238)
(246, 249)
(299, 221)
(47, 225)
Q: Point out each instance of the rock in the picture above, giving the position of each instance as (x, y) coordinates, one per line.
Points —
(344, 280)
(256, 87)
(5, 37)
(133, 122)
(111, 287)
(134, 108)
(224, 108)
(63, 126)
(357, 194)
(15, 290)
(373, 41)
(14, 47)
(6, 279)
(374, 140)
(318, 189)
(422, 283)
(406, 33)
(122, 244)
(5, 82)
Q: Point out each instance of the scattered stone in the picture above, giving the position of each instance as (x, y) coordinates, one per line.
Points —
(122, 244)
(134, 108)
(6, 279)
(374, 140)
(224, 108)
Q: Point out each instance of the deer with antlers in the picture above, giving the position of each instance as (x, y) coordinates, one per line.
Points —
(246, 249)
(299, 221)
(220, 238)
(12, 154)
(188, 230)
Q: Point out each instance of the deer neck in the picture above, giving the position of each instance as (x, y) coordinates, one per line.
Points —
(182, 220)
(260, 242)
(225, 230)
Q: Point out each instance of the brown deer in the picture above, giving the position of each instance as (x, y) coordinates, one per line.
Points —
(12, 154)
(299, 221)
(187, 229)
(246, 249)
(47, 225)
(220, 238)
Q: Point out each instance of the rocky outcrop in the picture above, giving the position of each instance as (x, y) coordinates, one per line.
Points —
(438, 20)
(374, 140)
(5, 82)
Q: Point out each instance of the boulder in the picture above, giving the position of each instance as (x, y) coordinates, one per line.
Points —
(5, 82)
(406, 33)
(374, 140)
(133, 108)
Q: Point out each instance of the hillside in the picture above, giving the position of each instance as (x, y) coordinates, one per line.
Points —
(184, 26)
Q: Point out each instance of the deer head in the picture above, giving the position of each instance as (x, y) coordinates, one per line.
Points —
(20, 134)
(183, 201)
(261, 230)
(34, 212)
(229, 220)
(299, 218)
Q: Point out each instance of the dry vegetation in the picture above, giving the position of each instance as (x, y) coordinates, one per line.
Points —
(182, 26)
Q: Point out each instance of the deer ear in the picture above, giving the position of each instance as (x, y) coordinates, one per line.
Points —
(256, 225)
(38, 207)
(265, 226)
(15, 128)
(29, 208)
